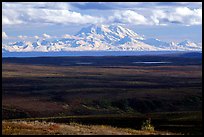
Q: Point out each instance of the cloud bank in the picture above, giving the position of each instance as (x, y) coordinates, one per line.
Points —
(180, 15)
(134, 13)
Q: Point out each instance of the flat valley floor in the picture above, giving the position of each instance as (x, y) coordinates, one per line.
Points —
(105, 90)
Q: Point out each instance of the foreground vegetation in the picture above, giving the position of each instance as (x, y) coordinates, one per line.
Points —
(177, 122)
(48, 128)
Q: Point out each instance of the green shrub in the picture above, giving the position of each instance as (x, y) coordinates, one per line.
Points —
(146, 125)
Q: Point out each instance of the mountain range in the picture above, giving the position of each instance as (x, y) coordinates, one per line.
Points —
(101, 38)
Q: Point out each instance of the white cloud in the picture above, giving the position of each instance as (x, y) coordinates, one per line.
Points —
(63, 17)
(157, 16)
(140, 14)
(52, 13)
(36, 37)
(36, 5)
(128, 16)
(180, 15)
(189, 3)
(22, 37)
(10, 17)
(4, 36)
(46, 36)
(66, 36)
(163, 17)
(70, 36)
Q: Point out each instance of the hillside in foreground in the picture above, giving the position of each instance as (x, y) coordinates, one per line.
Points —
(47, 128)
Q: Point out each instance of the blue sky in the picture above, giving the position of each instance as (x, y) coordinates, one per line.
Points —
(168, 21)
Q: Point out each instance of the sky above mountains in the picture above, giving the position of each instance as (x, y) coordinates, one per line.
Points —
(168, 21)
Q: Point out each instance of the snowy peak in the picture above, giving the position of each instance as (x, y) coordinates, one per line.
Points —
(156, 42)
(19, 43)
(125, 40)
(111, 30)
(91, 29)
(101, 37)
(189, 44)
(186, 42)
(44, 42)
(124, 31)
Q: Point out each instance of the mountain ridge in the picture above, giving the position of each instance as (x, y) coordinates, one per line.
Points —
(101, 38)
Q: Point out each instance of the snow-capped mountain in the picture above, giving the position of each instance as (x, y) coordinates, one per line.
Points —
(101, 38)
(186, 44)
(157, 43)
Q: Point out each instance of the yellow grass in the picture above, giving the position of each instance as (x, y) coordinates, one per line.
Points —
(48, 128)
